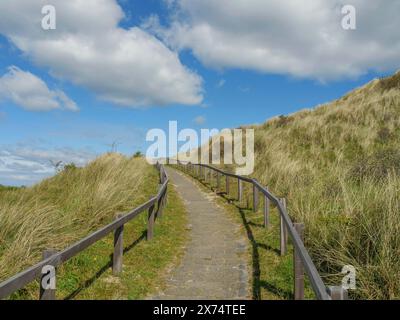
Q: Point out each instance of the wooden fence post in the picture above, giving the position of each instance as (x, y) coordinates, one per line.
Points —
(150, 223)
(165, 197)
(240, 191)
(118, 248)
(266, 211)
(283, 231)
(338, 293)
(218, 182)
(255, 198)
(47, 293)
(227, 185)
(160, 204)
(298, 266)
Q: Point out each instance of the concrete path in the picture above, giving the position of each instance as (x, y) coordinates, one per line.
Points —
(214, 265)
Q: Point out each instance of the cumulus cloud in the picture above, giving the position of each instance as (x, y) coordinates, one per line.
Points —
(301, 38)
(129, 67)
(23, 165)
(31, 93)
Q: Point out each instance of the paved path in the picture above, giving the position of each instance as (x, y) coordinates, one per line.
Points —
(214, 265)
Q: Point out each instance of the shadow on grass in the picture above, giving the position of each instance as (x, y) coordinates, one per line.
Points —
(103, 269)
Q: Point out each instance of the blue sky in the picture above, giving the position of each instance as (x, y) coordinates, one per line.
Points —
(223, 83)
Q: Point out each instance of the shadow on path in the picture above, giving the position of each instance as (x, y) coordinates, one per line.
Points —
(249, 225)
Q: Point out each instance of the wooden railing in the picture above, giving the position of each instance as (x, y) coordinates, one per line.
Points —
(154, 207)
(302, 260)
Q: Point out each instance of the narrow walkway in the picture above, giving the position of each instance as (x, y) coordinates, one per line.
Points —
(214, 265)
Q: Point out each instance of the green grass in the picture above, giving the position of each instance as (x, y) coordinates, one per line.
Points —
(271, 275)
(88, 275)
(337, 165)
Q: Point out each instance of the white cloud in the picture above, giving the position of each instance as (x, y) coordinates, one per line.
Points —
(23, 165)
(301, 38)
(200, 120)
(31, 93)
(126, 67)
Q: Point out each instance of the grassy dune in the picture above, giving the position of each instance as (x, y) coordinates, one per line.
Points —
(339, 168)
(76, 202)
(338, 165)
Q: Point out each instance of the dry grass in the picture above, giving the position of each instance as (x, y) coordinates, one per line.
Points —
(338, 165)
(65, 208)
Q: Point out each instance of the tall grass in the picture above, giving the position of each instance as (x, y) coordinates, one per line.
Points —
(338, 165)
(65, 208)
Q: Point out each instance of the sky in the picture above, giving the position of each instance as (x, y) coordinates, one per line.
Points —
(112, 70)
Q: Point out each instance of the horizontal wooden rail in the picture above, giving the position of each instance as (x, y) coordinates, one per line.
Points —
(23, 278)
(303, 257)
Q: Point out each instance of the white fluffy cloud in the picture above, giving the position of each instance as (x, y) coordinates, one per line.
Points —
(126, 67)
(302, 38)
(31, 93)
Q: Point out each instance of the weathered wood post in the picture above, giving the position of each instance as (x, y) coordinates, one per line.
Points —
(165, 197)
(150, 223)
(160, 204)
(227, 185)
(255, 198)
(240, 191)
(48, 280)
(218, 182)
(266, 211)
(298, 266)
(118, 248)
(338, 293)
(283, 230)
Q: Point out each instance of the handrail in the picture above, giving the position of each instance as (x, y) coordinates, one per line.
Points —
(28, 275)
(319, 288)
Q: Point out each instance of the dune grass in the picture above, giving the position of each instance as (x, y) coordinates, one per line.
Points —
(76, 202)
(338, 166)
